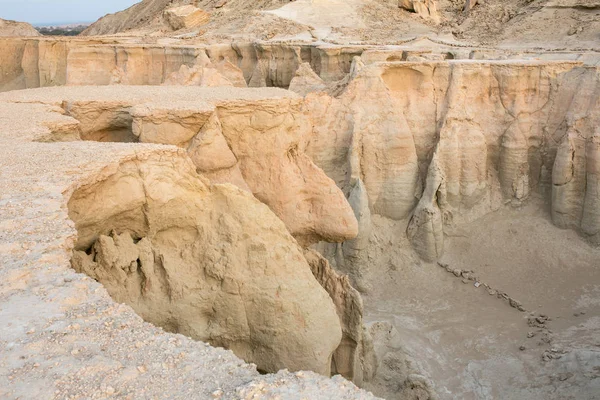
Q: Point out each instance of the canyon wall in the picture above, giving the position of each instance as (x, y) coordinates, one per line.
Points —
(31, 62)
(437, 144)
(34, 63)
(184, 241)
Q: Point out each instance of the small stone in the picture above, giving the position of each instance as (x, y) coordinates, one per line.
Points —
(457, 272)
(530, 334)
(142, 368)
(477, 284)
(109, 390)
(217, 393)
(465, 281)
(74, 352)
(564, 376)
(522, 348)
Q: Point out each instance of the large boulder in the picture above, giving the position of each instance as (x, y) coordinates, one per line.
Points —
(185, 17)
(424, 8)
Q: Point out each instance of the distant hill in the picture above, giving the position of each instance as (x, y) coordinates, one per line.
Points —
(15, 28)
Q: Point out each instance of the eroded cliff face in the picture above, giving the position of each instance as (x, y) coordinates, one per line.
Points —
(442, 143)
(260, 147)
(41, 62)
(252, 138)
(210, 262)
(31, 63)
(179, 242)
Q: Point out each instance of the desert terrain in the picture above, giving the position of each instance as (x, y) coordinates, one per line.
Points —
(306, 199)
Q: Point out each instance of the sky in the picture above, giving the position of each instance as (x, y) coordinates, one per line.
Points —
(60, 11)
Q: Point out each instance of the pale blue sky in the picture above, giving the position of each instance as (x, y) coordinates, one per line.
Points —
(49, 11)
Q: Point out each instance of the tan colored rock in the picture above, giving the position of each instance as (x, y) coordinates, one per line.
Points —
(306, 81)
(209, 150)
(424, 8)
(353, 358)
(425, 228)
(232, 73)
(185, 17)
(268, 140)
(173, 123)
(265, 130)
(208, 262)
(475, 134)
(359, 201)
(102, 121)
(197, 76)
(141, 14)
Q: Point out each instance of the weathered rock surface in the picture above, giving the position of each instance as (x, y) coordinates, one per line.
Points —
(459, 139)
(15, 28)
(354, 359)
(52, 316)
(206, 262)
(424, 8)
(41, 62)
(185, 17)
(253, 138)
(140, 14)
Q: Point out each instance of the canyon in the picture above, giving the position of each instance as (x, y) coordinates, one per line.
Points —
(193, 209)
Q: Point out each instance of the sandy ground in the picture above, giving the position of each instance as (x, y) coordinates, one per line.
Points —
(473, 344)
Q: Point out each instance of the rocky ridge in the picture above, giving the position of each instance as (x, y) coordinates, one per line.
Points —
(14, 28)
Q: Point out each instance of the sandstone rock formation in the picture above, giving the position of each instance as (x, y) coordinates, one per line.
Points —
(211, 263)
(185, 17)
(70, 318)
(196, 201)
(469, 4)
(254, 141)
(490, 140)
(424, 8)
(14, 28)
(354, 359)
